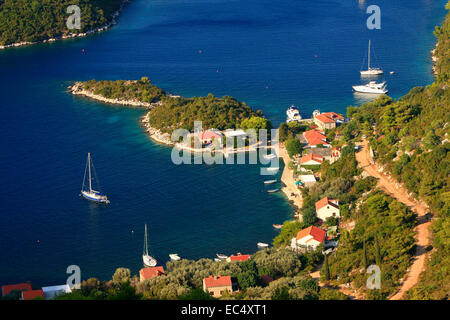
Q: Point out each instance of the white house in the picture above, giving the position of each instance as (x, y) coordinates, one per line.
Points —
(309, 239)
(326, 208)
(308, 179)
(53, 291)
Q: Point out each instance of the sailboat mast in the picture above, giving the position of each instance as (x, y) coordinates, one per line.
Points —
(145, 241)
(368, 58)
(89, 164)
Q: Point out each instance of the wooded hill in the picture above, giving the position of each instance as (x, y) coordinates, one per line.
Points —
(410, 138)
(178, 112)
(30, 21)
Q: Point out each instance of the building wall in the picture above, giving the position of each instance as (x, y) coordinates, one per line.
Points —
(327, 211)
(217, 291)
(323, 125)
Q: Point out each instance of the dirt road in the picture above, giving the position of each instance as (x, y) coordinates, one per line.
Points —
(391, 187)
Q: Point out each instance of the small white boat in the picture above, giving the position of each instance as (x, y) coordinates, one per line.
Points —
(270, 181)
(221, 256)
(277, 226)
(293, 114)
(174, 257)
(217, 259)
(90, 193)
(148, 260)
(371, 71)
(270, 156)
(392, 72)
(372, 87)
(273, 190)
(262, 245)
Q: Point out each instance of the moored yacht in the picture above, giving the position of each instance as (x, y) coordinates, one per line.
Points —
(293, 114)
(371, 71)
(148, 260)
(371, 87)
(87, 191)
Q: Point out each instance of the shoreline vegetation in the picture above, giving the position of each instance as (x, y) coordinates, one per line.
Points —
(49, 18)
(406, 140)
(167, 112)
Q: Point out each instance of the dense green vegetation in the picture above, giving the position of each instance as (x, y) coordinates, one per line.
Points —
(293, 147)
(383, 232)
(219, 113)
(26, 20)
(176, 112)
(183, 280)
(409, 138)
(138, 90)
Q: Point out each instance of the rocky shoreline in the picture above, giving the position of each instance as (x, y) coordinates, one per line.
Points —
(72, 35)
(78, 89)
(155, 134)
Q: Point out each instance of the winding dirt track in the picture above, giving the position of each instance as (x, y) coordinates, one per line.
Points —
(391, 187)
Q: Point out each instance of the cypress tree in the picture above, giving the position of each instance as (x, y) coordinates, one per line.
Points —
(365, 262)
(326, 268)
(377, 252)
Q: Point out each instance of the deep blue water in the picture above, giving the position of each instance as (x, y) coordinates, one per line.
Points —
(268, 53)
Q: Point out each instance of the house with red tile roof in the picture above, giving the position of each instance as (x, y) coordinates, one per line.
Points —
(148, 273)
(32, 294)
(326, 208)
(308, 239)
(216, 286)
(239, 257)
(19, 287)
(314, 138)
(311, 159)
(328, 120)
(208, 136)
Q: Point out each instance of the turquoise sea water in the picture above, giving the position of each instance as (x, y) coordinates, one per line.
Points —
(269, 54)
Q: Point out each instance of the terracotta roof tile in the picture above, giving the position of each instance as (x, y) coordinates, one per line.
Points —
(21, 287)
(218, 281)
(148, 273)
(32, 294)
(317, 233)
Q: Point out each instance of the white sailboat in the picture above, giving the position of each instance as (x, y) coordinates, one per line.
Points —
(148, 260)
(371, 71)
(90, 193)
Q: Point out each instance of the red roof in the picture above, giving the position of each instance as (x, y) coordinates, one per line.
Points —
(317, 233)
(148, 273)
(21, 287)
(240, 257)
(315, 137)
(218, 281)
(329, 117)
(311, 156)
(32, 294)
(326, 201)
(209, 135)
